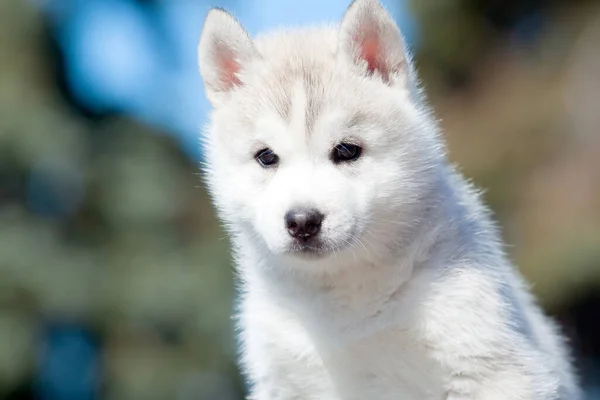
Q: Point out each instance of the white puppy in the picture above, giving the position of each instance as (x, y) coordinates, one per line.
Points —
(369, 268)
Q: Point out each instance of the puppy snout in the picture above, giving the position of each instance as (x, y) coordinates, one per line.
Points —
(303, 223)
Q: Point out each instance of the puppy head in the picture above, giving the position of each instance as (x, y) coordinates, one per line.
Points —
(317, 144)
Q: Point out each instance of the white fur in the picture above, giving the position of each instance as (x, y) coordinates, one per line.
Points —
(414, 298)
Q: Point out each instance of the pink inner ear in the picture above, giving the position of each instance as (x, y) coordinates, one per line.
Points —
(228, 68)
(370, 50)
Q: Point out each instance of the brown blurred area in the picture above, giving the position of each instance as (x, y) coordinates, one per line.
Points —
(524, 125)
(139, 264)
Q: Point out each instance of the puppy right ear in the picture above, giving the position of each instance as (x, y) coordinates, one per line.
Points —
(224, 49)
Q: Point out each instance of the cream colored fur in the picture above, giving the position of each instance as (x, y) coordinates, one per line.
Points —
(412, 297)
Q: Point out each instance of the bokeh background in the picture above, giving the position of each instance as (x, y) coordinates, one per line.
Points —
(115, 277)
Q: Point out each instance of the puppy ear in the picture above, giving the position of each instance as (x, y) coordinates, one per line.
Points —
(224, 49)
(370, 39)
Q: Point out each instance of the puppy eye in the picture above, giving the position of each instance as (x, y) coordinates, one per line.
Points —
(345, 152)
(266, 158)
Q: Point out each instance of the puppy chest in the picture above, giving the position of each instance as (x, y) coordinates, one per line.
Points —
(385, 365)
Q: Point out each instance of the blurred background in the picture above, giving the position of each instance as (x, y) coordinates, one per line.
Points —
(115, 277)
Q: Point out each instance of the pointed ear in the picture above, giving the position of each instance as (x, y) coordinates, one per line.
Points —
(224, 48)
(371, 40)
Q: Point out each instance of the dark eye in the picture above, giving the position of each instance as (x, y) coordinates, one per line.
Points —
(345, 152)
(266, 158)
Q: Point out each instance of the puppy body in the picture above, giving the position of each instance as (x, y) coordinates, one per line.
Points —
(404, 292)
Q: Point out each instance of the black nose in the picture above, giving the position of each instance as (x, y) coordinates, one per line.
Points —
(303, 223)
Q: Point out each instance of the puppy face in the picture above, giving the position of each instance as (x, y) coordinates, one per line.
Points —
(316, 146)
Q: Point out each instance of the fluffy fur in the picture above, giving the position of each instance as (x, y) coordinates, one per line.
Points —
(409, 295)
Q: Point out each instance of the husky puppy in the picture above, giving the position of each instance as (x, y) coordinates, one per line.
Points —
(369, 268)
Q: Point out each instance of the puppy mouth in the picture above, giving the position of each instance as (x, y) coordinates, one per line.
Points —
(320, 246)
(312, 248)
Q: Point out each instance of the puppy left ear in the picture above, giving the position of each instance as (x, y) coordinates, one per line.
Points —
(370, 39)
(225, 48)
